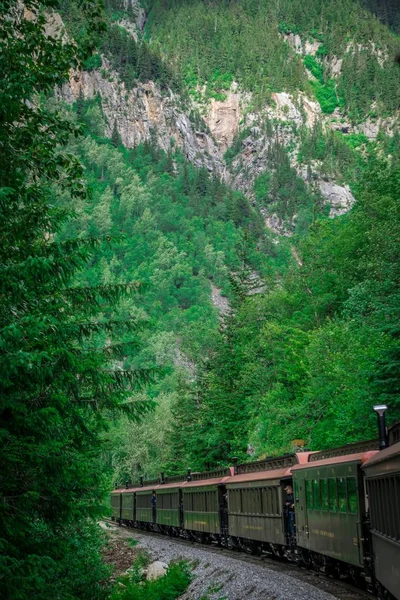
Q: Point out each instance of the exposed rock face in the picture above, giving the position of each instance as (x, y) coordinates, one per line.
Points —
(286, 108)
(218, 300)
(144, 114)
(223, 119)
(300, 47)
(339, 197)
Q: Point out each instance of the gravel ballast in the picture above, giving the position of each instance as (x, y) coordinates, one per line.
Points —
(217, 576)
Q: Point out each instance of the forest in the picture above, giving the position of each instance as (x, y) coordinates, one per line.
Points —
(149, 319)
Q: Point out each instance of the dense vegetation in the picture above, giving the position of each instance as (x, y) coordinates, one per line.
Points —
(134, 585)
(307, 360)
(214, 43)
(109, 258)
(179, 231)
(59, 385)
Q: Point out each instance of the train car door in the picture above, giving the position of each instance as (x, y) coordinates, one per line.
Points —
(300, 491)
(223, 509)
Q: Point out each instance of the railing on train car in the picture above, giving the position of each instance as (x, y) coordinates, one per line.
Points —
(217, 473)
(268, 464)
(356, 448)
(175, 478)
(155, 481)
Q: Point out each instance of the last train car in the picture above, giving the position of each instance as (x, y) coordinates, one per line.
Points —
(256, 500)
(116, 499)
(330, 508)
(382, 476)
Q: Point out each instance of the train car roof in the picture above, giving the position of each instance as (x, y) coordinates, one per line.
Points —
(266, 474)
(148, 488)
(360, 457)
(387, 453)
(205, 482)
(260, 476)
(172, 486)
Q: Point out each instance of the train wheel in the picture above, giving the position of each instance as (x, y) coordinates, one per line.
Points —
(250, 547)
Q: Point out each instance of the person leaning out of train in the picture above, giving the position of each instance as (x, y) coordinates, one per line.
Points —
(289, 505)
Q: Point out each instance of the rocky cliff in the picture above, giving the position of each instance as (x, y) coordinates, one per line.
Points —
(227, 135)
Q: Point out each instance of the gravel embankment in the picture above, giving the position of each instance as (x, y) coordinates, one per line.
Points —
(218, 576)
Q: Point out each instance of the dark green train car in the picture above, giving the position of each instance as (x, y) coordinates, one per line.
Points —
(169, 509)
(330, 503)
(202, 500)
(382, 474)
(116, 499)
(256, 499)
(145, 510)
(128, 505)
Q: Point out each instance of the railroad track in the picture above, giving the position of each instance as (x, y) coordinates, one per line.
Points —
(340, 589)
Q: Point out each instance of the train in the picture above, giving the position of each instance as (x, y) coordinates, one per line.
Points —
(337, 511)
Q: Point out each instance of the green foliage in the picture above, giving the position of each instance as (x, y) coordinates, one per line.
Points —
(59, 384)
(92, 63)
(309, 358)
(134, 60)
(325, 89)
(242, 41)
(236, 147)
(286, 28)
(282, 190)
(311, 63)
(327, 95)
(170, 586)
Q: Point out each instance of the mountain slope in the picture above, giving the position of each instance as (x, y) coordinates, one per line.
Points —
(249, 124)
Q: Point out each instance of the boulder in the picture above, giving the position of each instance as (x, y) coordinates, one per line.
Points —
(156, 569)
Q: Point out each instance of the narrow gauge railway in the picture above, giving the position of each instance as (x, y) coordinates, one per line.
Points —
(336, 511)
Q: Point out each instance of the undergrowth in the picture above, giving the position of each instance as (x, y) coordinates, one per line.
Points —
(134, 586)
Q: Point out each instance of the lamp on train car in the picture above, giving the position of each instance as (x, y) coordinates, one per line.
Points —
(380, 410)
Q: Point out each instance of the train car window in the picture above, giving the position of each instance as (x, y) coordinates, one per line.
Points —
(324, 494)
(352, 495)
(342, 496)
(309, 494)
(316, 494)
(333, 503)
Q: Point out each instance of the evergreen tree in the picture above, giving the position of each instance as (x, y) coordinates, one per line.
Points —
(58, 379)
(115, 136)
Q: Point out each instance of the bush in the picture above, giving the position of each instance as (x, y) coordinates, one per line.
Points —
(169, 587)
(92, 63)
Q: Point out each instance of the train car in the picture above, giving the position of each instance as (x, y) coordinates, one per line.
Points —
(146, 512)
(116, 500)
(382, 476)
(169, 515)
(330, 508)
(128, 505)
(256, 499)
(203, 504)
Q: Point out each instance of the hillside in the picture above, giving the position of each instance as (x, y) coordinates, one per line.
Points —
(218, 133)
